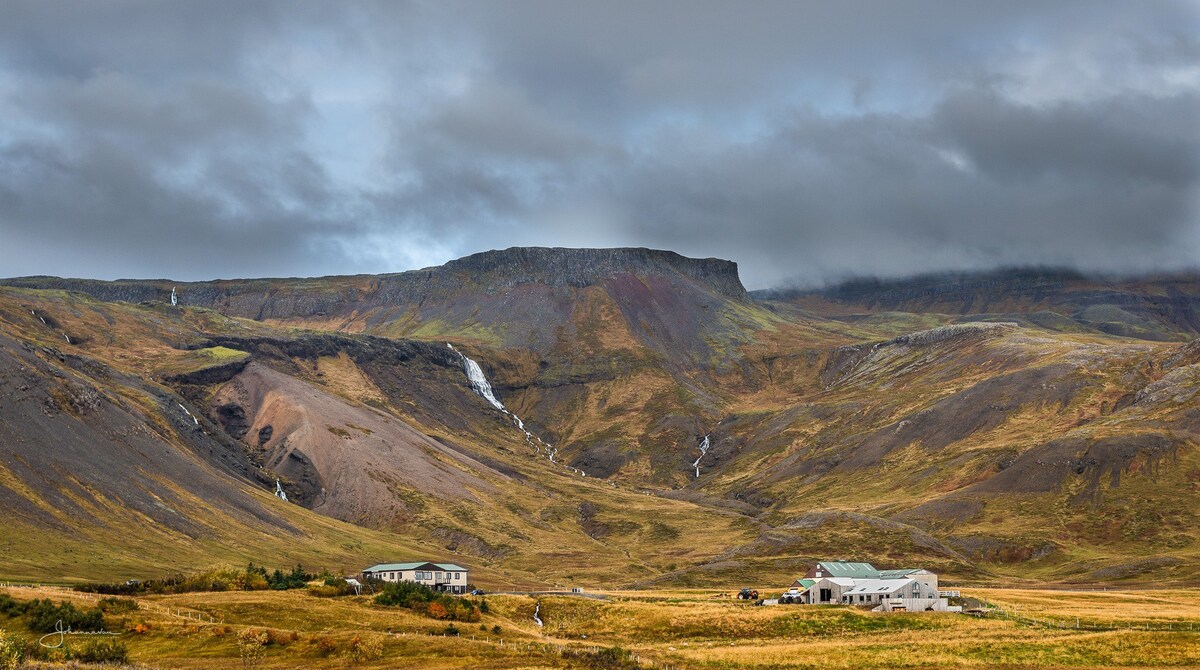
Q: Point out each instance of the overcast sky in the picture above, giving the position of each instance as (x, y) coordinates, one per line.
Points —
(807, 141)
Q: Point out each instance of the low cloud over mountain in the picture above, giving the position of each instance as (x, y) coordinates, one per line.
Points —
(805, 142)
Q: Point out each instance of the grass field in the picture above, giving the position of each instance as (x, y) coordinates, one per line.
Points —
(659, 629)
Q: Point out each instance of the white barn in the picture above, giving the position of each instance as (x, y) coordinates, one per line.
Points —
(859, 584)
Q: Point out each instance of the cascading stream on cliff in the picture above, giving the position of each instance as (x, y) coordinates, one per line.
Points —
(483, 388)
(704, 447)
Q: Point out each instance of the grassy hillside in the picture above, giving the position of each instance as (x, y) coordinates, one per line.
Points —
(1006, 444)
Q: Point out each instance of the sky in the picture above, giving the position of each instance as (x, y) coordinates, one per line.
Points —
(808, 141)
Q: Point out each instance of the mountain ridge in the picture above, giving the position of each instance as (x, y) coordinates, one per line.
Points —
(981, 443)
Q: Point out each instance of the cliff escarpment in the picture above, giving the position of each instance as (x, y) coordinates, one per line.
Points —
(489, 272)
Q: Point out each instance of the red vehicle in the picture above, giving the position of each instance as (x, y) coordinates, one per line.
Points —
(747, 594)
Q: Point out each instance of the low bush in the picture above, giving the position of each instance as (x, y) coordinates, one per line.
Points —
(43, 616)
(117, 605)
(252, 646)
(422, 599)
(325, 645)
(364, 649)
(610, 658)
(102, 651)
(251, 578)
(10, 606)
(331, 588)
(12, 651)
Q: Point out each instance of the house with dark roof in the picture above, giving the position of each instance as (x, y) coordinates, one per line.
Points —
(448, 577)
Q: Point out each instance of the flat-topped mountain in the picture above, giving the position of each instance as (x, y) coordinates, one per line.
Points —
(489, 271)
(1029, 423)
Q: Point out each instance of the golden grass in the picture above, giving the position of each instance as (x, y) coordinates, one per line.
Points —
(676, 628)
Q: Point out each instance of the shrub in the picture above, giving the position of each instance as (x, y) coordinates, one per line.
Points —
(610, 658)
(420, 598)
(44, 617)
(251, 578)
(436, 610)
(10, 606)
(117, 605)
(12, 651)
(252, 646)
(451, 630)
(331, 587)
(364, 649)
(496, 629)
(325, 645)
(111, 650)
(278, 637)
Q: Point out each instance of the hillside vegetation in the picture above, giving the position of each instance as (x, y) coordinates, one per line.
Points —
(676, 629)
(1007, 437)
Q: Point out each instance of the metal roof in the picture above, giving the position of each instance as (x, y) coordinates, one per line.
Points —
(840, 581)
(848, 569)
(868, 586)
(900, 573)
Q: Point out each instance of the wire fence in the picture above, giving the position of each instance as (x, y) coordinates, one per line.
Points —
(1066, 622)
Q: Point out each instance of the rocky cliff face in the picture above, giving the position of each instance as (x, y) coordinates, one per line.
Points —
(591, 267)
(489, 272)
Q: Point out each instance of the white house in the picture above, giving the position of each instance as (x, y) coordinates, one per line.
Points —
(437, 576)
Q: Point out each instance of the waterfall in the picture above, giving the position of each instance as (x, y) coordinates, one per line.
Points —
(185, 411)
(537, 610)
(174, 297)
(279, 491)
(704, 446)
(483, 388)
(478, 382)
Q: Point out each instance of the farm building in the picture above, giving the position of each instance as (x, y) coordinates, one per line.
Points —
(852, 570)
(437, 576)
(851, 583)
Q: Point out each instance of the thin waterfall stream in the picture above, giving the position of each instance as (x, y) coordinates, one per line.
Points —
(704, 447)
(483, 388)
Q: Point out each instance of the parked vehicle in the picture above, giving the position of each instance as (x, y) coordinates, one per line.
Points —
(478, 592)
(792, 597)
(747, 594)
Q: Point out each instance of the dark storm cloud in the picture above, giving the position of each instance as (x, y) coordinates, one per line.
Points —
(806, 141)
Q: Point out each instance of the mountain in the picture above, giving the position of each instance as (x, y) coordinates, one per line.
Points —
(1165, 307)
(1031, 424)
